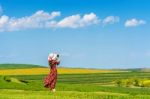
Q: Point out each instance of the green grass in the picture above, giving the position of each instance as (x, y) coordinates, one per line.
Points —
(18, 66)
(21, 94)
(84, 85)
(17, 94)
(89, 78)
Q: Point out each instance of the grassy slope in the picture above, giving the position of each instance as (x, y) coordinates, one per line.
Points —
(16, 66)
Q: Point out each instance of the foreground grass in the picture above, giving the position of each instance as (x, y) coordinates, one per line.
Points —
(21, 94)
(37, 85)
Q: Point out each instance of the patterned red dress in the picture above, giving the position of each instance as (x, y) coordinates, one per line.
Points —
(51, 78)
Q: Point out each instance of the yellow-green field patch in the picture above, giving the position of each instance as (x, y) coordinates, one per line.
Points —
(37, 71)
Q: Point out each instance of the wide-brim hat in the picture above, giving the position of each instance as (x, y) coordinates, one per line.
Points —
(53, 56)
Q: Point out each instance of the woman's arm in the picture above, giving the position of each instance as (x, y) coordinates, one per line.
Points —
(58, 62)
(49, 63)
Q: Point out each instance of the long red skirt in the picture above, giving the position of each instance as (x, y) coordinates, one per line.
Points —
(50, 79)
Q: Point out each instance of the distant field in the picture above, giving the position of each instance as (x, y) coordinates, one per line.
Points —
(23, 69)
(20, 66)
(37, 71)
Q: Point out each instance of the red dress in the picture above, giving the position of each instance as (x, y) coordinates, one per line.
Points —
(51, 78)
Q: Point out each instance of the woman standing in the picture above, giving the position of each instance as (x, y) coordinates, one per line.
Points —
(51, 78)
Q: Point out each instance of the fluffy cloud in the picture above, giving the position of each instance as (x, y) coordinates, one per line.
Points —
(71, 21)
(110, 20)
(134, 22)
(75, 21)
(42, 19)
(36, 20)
(3, 20)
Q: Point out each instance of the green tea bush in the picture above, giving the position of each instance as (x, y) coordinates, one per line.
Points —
(146, 83)
(133, 82)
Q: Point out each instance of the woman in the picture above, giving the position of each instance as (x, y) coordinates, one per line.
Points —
(51, 78)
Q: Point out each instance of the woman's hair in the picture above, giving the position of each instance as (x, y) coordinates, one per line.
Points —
(57, 55)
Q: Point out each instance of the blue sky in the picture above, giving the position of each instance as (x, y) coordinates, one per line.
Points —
(98, 34)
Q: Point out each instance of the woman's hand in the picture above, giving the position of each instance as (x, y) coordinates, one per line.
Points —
(54, 62)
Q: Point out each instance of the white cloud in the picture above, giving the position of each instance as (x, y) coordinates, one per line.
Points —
(110, 20)
(3, 22)
(89, 19)
(36, 20)
(75, 21)
(134, 22)
(71, 21)
(42, 19)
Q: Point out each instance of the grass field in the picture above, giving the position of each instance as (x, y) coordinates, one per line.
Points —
(36, 71)
(16, 66)
(80, 85)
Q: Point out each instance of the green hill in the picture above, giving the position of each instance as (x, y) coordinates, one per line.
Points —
(17, 66)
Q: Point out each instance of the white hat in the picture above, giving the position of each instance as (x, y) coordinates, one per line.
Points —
(52, 56)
